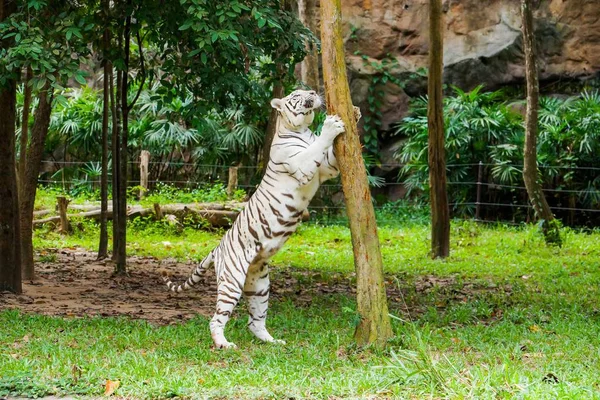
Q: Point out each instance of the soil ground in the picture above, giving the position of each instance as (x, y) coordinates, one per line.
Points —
(75, 284)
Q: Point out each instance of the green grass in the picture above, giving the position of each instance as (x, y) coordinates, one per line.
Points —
(504, 317)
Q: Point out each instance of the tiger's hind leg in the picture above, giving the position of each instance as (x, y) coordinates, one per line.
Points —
(230, 281)
(256, 291)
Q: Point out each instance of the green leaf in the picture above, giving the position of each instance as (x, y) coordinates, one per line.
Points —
(185, 26)
(80, 79)
(40, 83)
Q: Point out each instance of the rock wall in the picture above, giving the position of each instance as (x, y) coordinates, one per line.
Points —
(482, 44)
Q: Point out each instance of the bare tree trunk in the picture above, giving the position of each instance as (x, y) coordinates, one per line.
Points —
(120, 252)
(550, 227)
(440, 215)
(63, 204)
(116, 156)
(29, 179)
(271, 127)
(103, 244)
(232, 182)
(10, 247)
(24, 129)
(374, 325)
(309, 68)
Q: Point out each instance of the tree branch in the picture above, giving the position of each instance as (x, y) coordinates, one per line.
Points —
(142, 71)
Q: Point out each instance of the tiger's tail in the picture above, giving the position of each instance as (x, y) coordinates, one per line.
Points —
(194, 278)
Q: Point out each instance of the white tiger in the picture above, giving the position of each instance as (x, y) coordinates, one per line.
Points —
(299, 162)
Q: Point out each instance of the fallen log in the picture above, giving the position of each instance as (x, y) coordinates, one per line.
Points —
(215, 214)
(40, 213)
(216, 217)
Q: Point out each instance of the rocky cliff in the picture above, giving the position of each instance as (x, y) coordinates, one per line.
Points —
(482, 44)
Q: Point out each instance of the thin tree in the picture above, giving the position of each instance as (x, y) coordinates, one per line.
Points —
(278, 93)
(30, 173)
(107, 67)
(309, 67)
(550, 226)
(24, 126)
(440, 218)
(10, 248)
(374, 325)
(120, 154)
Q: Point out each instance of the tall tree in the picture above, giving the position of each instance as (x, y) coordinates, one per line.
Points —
(10, 248)
(25, 127)
(29, 182)
(107, 68)
(374, 325)
(49, 40)
(308, 12)
(438, 195)
(550, 227)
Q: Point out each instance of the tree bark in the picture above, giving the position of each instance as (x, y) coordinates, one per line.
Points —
(232, 182)
(10, 246)
(120, 255)
(29, 180)
(116, 158)
(24, 129)
(530, 170)
(63, 204)
(309, 67)
(374, 325)
(271, 127)
(103, 243)
(440, 214)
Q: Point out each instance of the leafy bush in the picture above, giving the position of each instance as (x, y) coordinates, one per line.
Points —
(482, 127)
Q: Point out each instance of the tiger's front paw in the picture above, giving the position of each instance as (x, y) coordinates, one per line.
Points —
(302, 177)
(332, 126)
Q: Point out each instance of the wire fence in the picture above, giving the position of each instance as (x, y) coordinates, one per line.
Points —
(481, 199)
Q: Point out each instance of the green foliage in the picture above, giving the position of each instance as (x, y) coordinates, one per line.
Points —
(481, 127)
(165, 194)
(51, 38)
(226, 44)
(77, 121)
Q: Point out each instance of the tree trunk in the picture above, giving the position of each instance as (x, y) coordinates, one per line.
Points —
(271, 127)
(63, 204)
(103, 243)
(309, 68)
(10, 247)
(374, 325)
(121, 210)
(24, 129)
(29, 180)
(440, 215)
(530, 171)
(232, 182)
(116, 159)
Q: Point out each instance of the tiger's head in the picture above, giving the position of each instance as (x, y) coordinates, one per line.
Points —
(297, 110)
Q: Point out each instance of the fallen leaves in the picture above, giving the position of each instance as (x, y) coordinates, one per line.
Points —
(110, 387)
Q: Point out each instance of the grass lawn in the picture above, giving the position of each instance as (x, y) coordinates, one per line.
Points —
(504, 317)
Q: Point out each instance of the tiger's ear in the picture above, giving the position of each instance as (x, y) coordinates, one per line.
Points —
(277, 104)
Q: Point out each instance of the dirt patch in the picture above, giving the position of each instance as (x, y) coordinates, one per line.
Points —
(72, 283)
